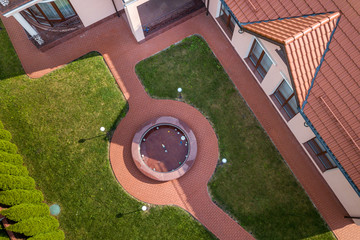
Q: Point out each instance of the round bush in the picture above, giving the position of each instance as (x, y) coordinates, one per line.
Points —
(9, 182)
(18, 196)
(33, 226)
(56, 235)
(14, 159)
(5, 135)
(24, 211)
(7, 146)
(7, 168)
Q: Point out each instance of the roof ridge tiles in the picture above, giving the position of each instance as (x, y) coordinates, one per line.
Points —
(314, 26)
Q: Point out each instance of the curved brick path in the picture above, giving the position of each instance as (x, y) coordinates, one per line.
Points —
(120, 51)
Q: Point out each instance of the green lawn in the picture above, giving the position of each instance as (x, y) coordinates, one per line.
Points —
(255, 186)
(47, 117)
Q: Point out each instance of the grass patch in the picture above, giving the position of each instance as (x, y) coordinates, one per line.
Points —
(256, 186)
(47, 117)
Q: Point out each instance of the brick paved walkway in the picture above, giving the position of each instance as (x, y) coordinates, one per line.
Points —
(121, 52)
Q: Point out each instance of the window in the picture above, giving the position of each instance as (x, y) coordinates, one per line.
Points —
(286, 98)
(226, 21)
(320, 155)
(50, 12)
(259, 59)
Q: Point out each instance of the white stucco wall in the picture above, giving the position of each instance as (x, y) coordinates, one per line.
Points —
(302, 133)
(278, 71)
(345, 193)
(91, 11)
(133, 18)
(214, 8)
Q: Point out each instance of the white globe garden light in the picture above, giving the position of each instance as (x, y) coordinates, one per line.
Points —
(224, 160)
(179, 90)
(102, 129)
(144, 208)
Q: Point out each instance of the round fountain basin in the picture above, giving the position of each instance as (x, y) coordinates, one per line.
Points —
(164, 148)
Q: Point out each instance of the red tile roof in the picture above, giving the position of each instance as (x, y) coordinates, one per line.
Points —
(305, 40)
(334, 102)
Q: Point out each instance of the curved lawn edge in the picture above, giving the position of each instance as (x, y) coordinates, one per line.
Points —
(29, 128)
(165, 68)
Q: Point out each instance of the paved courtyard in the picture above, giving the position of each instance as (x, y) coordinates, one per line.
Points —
(114, 40)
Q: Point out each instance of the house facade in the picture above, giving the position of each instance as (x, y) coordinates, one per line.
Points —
(295, 56)
(303, 54)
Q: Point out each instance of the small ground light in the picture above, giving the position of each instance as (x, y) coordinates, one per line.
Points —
(224, 160)
(179, 91)
(144, 208)
(102, 129)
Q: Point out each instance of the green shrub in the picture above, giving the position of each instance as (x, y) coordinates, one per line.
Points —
(24, 211)
(14, 159)
(1, 125)
(9, 182)
(7, 168)
(33, 226)
(56, 235)
(18, 196)
(5, 135)
(7, 146)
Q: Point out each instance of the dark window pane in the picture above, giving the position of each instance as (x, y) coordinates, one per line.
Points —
(36, 11)
(330, 160)
(49, 11)
(257, 50)
(65, 8)
(266, 62)
(292, 104)
(279, 97)
(261, 71)
(321, 154)
(314, 147)
(285, 89)
(289, 111)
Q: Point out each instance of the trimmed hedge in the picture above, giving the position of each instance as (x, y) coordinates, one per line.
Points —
(56, 235)
(14, 159)
(7, 146)
(24, 211)
(9, 182)
(5, 135)
(33, 226)
(17, 190)
(18, 196)
(7, 168)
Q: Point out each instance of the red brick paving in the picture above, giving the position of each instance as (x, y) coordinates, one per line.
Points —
(121, 52)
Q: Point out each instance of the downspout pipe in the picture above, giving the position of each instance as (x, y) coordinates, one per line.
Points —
(207, 7)
(117, 12)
